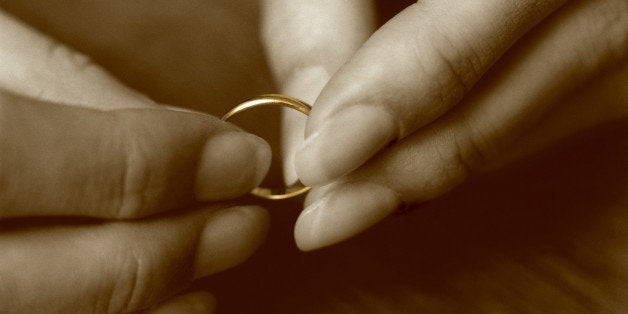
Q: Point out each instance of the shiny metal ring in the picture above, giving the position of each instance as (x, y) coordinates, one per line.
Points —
(282, 101)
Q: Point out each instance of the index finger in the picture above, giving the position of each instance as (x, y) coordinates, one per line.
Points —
(125, 163)
(407, 74)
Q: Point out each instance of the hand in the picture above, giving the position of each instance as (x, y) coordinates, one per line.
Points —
(455, 87)
(75, 142)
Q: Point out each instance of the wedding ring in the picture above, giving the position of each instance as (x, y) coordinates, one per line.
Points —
(281, 101)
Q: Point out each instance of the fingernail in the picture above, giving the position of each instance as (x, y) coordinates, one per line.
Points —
(229, 237)
(343, 213)
(344, 143)
(317, 193)
(231, 164)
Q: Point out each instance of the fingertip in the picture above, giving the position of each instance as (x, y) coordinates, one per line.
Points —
(343, 213)
(229, 237)
(343, 143)
(231, 164)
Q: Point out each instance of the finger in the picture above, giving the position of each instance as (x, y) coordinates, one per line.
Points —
(408, 73)
(306, 42)
(40, 67)
(603, 101)
(117, 267)
(505, 106)
(190, 303)
(126, 163)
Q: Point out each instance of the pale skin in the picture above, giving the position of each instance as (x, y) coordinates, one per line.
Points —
(456, 85)
(76, 142)
(612, 112)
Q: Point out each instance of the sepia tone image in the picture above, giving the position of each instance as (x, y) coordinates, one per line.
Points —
(321, 156)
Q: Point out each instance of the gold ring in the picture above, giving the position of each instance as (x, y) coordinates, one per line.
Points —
(274, 100)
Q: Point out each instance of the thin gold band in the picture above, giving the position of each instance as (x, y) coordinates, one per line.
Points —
(274, 100)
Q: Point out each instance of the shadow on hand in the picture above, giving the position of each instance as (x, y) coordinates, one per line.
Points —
(547, 234)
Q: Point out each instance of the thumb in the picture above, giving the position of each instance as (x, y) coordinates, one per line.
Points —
(125, 163)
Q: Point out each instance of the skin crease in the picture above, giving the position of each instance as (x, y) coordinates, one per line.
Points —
(475, 263)
(423, 165)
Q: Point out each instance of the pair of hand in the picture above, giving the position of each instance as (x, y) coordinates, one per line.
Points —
(530, 64)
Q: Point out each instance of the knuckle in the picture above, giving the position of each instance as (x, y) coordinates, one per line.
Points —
(130, 199)
(470, 154)
(141, 272)
(451, 61)
(460, 62)
(464, 154)
(454, 165)
(456, 56)
(477, 142)
(128, 289)
(133, 183)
